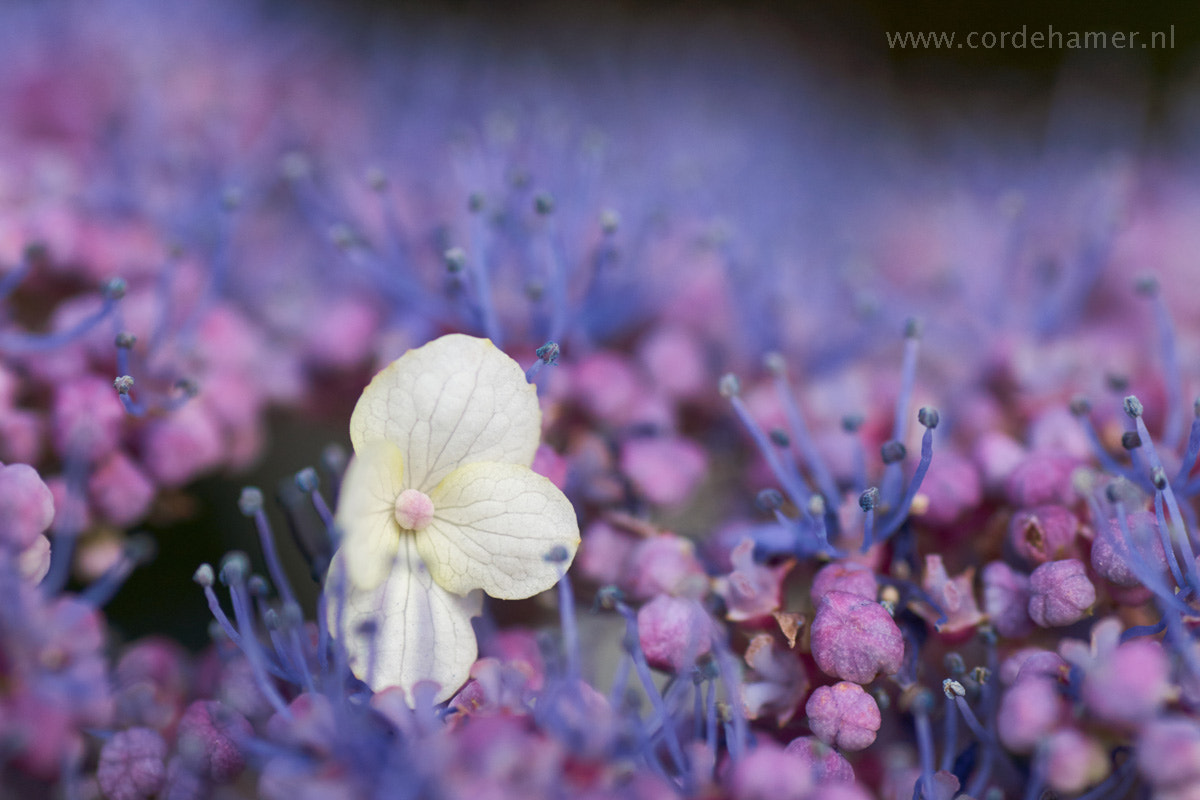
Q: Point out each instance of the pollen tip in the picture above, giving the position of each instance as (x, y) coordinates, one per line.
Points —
(1133, 406)
(893, 451)
(204, 575)
(251, 501)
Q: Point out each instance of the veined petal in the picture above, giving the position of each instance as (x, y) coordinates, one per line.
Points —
(458, 399)
(421, 631)
(493, 527)
(366, 512)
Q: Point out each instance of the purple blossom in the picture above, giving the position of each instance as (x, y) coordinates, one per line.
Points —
(1060, 593)
(133, 765)
(843, 715)
(855, 639)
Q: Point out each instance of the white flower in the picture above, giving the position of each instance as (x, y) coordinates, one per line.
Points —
(437, 504)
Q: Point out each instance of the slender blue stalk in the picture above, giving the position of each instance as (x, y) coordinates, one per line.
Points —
(794, 492)
(12, 343)
(801, 436)
(924, 745)
(251, 503)
(897, 516)
(949, 736)
(642, 668)
(566, 611)
(1165, 534)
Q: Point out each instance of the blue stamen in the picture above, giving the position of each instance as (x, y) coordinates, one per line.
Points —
(251, 505)
(799, 430)
(19, 343)
(642, 668)
(897, 516)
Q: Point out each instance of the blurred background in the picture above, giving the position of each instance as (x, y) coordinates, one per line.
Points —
(789, 81)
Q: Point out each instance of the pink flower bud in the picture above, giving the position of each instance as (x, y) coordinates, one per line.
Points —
(182, 445)
(827, 764)
(1030, 661)
(673, 632)
(843, 715)
(1028, 712)
(120, 491)
(26, 506)
(1044, 533)
(1006, 599)
(1060, 593)
(952, 486)
(844, 576)
(664, 468)
(1110, 551)
(604, 553)
(666, 564)
(133, 765)
(342, 334)
(1168, 754)
(209, 740)
(855, 639)
(1073, 761)
(1043, 664)
(20, 435)
(1042, 479)
(676, 361)
(1128, 685)
(768, 772)
(88, 417)
(606, 384)
(997, 455)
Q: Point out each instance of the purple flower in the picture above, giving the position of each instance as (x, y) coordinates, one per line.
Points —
(827, 765)
(26, 507)
(843, 715)
(855, 639)
(1029, 710)
(133, 765)
(1044, 533)
(1073, 761)
(210, 740)
(769, 772)
(844, 576)
(1168, 754)
(1042, 478)
(1006, 599)
(673, 632)
(1060, 593)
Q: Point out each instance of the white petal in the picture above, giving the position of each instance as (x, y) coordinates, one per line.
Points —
(366, 512)
(422, 632)
(456, 400)
(493, 526)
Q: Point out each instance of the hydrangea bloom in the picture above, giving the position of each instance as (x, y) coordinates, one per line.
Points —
(438, 505)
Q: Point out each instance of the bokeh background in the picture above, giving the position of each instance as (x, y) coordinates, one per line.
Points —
(790, 83)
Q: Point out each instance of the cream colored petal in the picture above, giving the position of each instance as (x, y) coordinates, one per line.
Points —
(422, 632)
(493, 527)
(366, 512)
(456, 400)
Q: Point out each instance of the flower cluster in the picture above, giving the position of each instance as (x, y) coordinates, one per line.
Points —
(759, 486)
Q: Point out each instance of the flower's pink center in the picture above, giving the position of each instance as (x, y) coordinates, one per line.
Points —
(414, 510)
